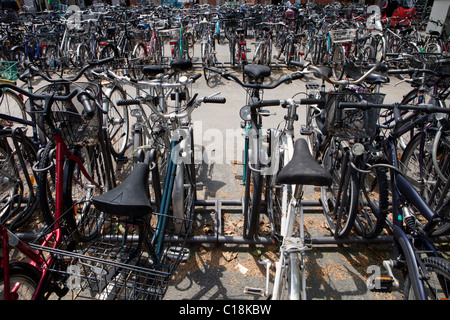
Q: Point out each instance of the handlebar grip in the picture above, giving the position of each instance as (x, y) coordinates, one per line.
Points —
(359, 105)
(128, 102)
(196, 76)
(297, 64)
(399, 71)
(214, 100)
(83, 97)
(297, 76)
(312, 101)
(267, 103)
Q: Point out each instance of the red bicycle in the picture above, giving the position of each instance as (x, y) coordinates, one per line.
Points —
(69, 117)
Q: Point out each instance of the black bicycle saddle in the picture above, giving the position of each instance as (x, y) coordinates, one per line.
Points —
(130, 198)
(153, 70)
(256, 71)
(303, 169)
(181, 64)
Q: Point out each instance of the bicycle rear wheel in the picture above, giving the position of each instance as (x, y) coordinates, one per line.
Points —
(79, 212)
(17, 180)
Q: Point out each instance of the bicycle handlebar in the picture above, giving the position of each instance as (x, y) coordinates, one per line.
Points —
(33, 70)
(82, 96)
(230, 76)
(364, 105)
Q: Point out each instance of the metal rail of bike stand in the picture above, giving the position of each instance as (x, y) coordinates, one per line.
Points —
(219, 238)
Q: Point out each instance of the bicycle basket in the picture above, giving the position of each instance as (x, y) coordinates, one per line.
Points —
(342, 35)
(117, 265)
(68, 116)
(8, 70)
(352, 123)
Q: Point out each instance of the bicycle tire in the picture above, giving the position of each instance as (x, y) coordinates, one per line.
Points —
(277, 197)
(184, 191)
(26, 275)
(19, 55)
(12, 104)
(427, 179)
(290, 282)
(138, 56)
(117, 121)
(341, 226)
(83, 55)
(19, 198)
(338, 60)
(84, 220)
(52, 60)
(437, 284)
(373, 204)
(46, 184)
(253, 193)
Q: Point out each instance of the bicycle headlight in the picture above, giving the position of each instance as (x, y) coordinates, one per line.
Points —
(358, 149)
(245, 113)
(136, 113)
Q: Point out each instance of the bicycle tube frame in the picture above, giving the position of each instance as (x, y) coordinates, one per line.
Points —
(166, 198)
(402, 242)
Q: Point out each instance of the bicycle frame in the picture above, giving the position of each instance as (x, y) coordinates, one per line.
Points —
(54, 238)
(403, 242)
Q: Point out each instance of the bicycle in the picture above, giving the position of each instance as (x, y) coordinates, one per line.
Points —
(427, 272)
(294, 167)
(165, 227)
(150, 51)
(254, 166)
(343, 204)
(34, 278)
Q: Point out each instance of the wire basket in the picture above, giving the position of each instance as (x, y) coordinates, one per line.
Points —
(342, 35)
(118, 264)
(68, 116)
(8, 70)
(351, 123)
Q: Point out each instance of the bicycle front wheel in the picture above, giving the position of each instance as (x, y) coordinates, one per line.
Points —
(253, 191)
(79, 212)
(333, 201)
(437, 284)
(289, 286)
(23, 277)
(117, 121)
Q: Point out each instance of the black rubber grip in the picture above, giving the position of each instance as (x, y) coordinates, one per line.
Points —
(196, 76)
(214, 100)
(312, 101)
(297, 64)
(399, 71)
(128, 102)
(268, 103)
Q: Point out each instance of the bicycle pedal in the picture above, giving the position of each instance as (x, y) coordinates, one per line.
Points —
(381, 284)
(255, 291)
(122, 160)
(306, 131)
